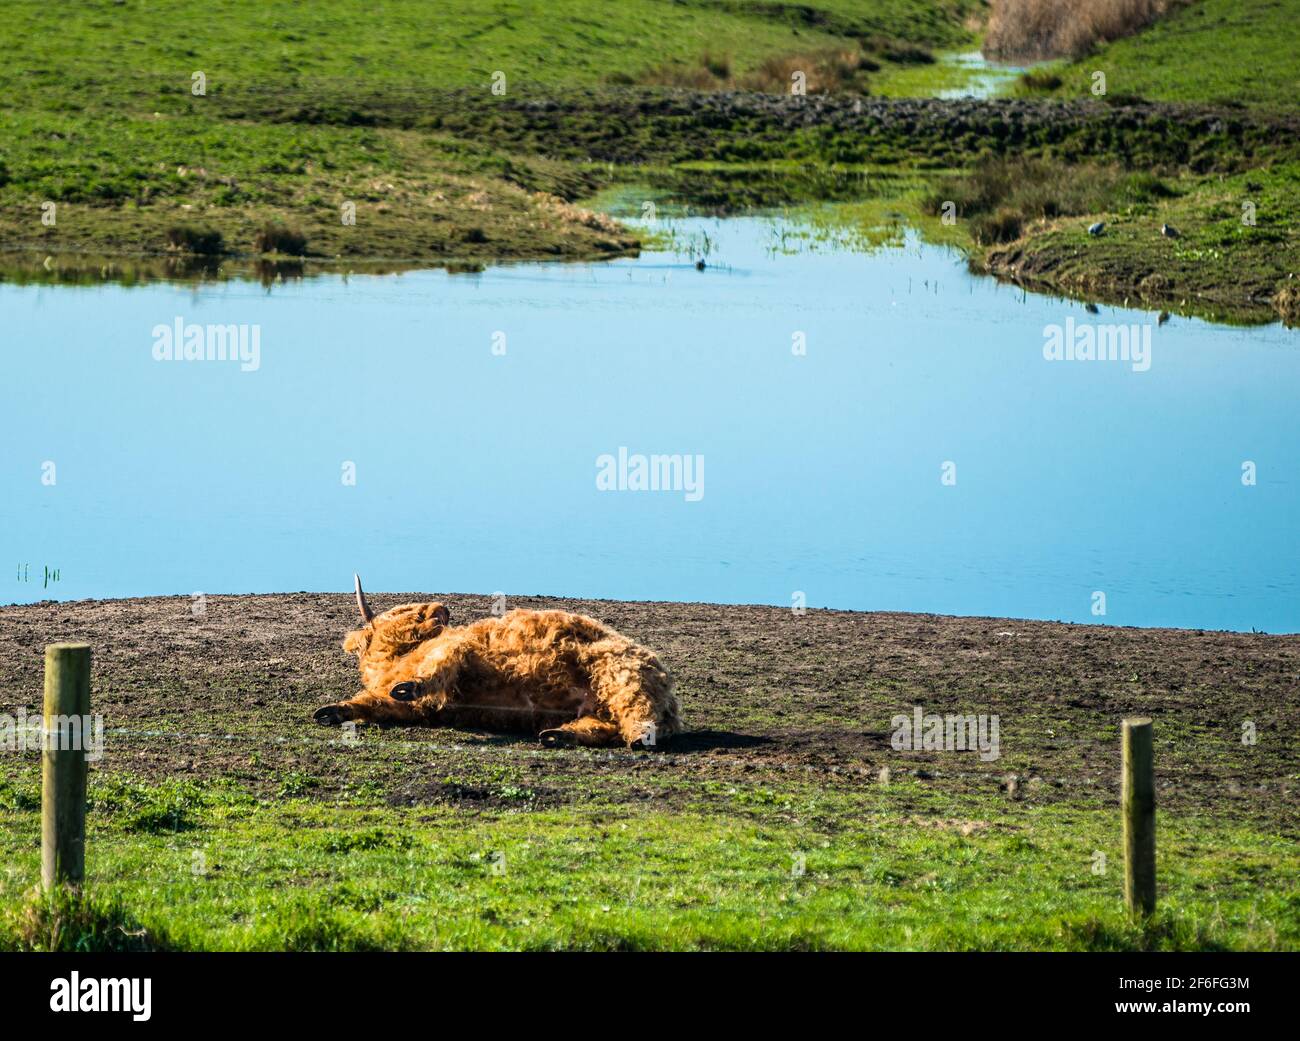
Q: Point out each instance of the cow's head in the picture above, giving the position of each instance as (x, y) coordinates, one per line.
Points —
(392, 634)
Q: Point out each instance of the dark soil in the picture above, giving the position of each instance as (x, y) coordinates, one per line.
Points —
(637, 125)
(769, 697)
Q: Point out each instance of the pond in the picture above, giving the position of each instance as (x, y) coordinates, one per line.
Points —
(811, 424)
(982, 78)
(953, 74)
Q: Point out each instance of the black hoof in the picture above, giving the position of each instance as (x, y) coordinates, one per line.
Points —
(332, 715)
(558, 739)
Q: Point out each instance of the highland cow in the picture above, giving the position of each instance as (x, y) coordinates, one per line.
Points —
(565, 677)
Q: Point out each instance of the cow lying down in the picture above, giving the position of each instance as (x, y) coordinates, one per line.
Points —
(565, 677)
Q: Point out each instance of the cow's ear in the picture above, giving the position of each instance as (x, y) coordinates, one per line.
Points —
(442, 616)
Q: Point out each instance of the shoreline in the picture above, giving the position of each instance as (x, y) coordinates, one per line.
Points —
(522, 199)
(585, 604)
(789, 744)
(754, 682)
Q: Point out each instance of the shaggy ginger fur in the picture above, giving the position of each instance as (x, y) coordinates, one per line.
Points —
(565, 677)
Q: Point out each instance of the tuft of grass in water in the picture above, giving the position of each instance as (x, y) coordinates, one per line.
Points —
(1287, 302)
(1041, 189)
(1003, 225)
(189, 239)
(276, 238)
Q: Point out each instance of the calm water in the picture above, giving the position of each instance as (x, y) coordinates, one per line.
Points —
(823, 473)
(985, 78)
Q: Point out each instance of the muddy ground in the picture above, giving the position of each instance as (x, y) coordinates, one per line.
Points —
(630, 126)
(769, 698)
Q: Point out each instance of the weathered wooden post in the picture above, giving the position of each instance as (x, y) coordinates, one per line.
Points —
(63, 763)
(1139, 800)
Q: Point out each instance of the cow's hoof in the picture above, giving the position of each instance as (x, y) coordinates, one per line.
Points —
(332, 715)
(558, 739)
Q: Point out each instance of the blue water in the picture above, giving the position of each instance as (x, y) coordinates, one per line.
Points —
(984, 78)
(476, 471)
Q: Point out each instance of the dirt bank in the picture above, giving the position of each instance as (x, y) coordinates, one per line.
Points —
(765, 693)
(630, 126)
(525, 160)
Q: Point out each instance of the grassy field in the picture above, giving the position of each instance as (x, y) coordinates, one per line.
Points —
(1238, 53)
(1235, 53)
(1235, 257)
(1232, 52)
(134, 52)
(737, 865)
(304, 106)
(221, 817)
(320, 113)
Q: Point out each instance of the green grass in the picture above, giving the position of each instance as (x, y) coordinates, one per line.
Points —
(127, 53)
(1229, 51)
(949, 75)
(1219, 266)
(1232, 52)
(139, 57)
(221, 817)
(121, 184)
(315, 106)
(305, 108)
(745, 867)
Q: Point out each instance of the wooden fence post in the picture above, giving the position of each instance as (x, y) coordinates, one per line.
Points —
(63, 764)
(1139, 802)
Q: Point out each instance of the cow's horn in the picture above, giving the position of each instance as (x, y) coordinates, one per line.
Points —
(367, 614)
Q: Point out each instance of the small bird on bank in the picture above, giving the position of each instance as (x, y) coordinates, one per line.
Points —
(1096, 229)
(1164, 317)
(699, 265)
(1091, 308)
(1169, 231)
